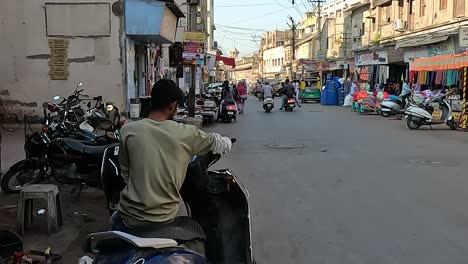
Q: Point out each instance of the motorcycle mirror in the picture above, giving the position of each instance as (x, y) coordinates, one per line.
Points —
(79, 84)
(56, 97)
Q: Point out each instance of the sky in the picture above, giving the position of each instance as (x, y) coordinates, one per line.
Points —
(239, 22)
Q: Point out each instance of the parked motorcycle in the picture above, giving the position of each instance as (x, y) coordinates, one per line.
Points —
(217, 209)
(268, 104)
(290, 104)
(228, 112)
(208, 108)
(70, 160)
(418, 115)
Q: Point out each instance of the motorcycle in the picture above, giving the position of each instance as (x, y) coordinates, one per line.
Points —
(217, 208)
(290, 104)
(418, 115)
(69, 160)
(228, 112)
(268, 104)
(208, 108)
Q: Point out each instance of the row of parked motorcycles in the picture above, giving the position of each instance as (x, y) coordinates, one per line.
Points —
(420, 114)
(76, 130)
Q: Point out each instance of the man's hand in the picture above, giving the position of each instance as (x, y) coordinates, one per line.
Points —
(222, 145)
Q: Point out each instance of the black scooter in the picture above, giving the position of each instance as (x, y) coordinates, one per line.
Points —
(228, 112)
(218, 212)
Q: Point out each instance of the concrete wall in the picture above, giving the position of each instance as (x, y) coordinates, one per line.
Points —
(24, 55)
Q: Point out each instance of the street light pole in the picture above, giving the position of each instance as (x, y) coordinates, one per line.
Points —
(192, 25)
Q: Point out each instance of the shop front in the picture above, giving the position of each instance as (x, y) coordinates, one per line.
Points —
(381, 69)
(445, 73)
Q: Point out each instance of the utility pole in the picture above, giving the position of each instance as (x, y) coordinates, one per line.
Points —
(319, 23)
(260, 53)
(293, 27)
(192, 26)
(344, 45)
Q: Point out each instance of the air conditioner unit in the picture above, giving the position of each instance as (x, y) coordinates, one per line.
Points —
(399, 25)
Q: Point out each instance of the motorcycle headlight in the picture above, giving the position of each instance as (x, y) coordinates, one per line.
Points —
(109, 108)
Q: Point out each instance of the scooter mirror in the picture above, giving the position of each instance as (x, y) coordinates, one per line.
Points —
(56, 97)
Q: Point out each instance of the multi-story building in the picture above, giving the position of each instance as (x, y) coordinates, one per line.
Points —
(387, 35)
(273, 53)
(113, 47)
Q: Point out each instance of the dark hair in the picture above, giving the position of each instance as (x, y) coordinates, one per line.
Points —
(287, 81)
(164, 93)
(225, 83)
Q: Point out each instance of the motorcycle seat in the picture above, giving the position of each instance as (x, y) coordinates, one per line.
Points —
(77, 145)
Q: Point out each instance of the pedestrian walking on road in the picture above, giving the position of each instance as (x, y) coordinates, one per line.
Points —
(242, 96)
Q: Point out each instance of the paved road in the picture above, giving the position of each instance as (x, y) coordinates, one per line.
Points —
(360, 189)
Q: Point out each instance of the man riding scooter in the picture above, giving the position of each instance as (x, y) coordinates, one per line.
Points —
(154, 154)
(288, 92)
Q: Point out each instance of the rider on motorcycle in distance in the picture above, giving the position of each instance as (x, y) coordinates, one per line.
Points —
(287, 92)
(154, 154)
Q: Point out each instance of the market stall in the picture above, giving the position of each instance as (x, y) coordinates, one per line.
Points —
(449, 73)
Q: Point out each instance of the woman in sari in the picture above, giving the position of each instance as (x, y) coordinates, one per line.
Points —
(242, 92)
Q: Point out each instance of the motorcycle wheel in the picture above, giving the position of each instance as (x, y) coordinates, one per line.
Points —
(452, 124)
(23, 173)
(413, 122)
(385, 114)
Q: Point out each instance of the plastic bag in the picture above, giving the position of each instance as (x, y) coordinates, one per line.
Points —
(348, 101)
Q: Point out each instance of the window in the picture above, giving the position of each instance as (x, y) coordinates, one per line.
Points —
(363, 29)
(443, 4)
(388, 14)
(422, 8)
(401, 9)
(459, 6)
(282, 61)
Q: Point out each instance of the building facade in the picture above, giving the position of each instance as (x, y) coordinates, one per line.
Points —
(47, 47)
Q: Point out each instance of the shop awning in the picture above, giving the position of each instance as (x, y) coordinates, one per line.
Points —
(376, 3)
(426, 40)
(227, 60)
(440, 63)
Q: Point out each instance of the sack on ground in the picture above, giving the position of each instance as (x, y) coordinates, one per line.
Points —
(348, 101)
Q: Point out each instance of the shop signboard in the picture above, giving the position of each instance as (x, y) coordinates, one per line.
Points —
(443, 48)
(463, 37)
(307, 61)
(372, 58)
(194, 37)
(321, 54)
(415, 53)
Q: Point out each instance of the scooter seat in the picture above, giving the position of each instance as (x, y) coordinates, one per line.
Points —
(110, 239)
(182, 229)
(428, 108)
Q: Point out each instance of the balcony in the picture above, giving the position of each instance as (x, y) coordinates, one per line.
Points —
(151, 20)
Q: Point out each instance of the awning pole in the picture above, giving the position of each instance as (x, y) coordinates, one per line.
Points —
(464, 114)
